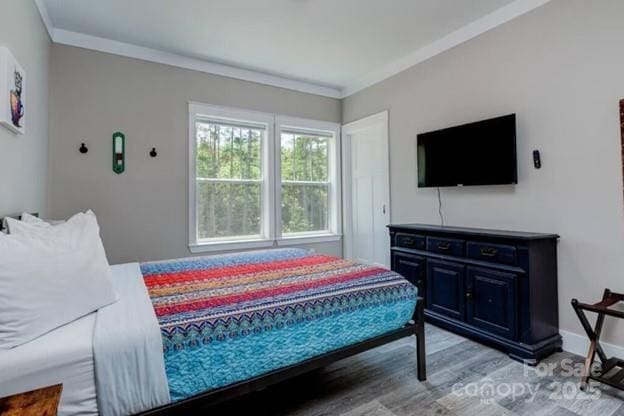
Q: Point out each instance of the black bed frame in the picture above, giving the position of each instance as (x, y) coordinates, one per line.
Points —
(212, 397)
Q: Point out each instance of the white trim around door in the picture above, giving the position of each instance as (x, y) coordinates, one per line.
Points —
(379, 120)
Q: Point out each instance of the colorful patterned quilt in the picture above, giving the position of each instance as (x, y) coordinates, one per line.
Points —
(228, 318)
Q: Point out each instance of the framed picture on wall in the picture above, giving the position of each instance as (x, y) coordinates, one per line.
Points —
(12, 92)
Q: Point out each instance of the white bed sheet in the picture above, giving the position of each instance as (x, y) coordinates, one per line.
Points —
(65, 356)
(128, 349)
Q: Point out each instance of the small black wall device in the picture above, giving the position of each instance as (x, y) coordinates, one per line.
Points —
(537, 159)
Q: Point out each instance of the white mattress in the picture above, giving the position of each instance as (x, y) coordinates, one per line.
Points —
(65, 356)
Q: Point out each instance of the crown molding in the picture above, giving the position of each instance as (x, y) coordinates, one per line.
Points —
(152, 55)
(81, 40)
(488, 22)
(45, 17)
(464, 34)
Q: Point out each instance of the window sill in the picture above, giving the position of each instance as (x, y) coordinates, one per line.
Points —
(308, 239)
(252, 244)
(229, 245)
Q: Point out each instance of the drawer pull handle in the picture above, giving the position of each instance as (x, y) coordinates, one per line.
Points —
(408, 241)
(488, 252)
(444, 246)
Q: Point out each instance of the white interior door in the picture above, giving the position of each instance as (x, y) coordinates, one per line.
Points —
(367, 189)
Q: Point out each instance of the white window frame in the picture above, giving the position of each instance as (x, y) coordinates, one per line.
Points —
(207, 113)
(312, 127)
(271, 178)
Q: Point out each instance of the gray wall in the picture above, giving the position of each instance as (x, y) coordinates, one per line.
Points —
(24, 157)
(561, 69)
(143, 212)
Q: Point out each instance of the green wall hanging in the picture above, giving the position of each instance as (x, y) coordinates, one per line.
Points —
(119, 152)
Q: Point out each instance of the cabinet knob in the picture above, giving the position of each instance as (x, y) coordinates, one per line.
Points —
(444, 246)
(469, 295)
(488, 252)
(419, 283)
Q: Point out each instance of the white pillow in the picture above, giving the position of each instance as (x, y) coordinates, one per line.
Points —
(31, 219)
(50, 276)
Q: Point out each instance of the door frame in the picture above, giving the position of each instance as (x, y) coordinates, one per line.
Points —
(347, 193)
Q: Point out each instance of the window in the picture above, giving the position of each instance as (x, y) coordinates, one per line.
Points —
(228, 180)
(258, 179)
(305, 182)
(309, 186)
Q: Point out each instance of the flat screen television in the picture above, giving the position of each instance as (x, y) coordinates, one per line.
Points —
(481, 153)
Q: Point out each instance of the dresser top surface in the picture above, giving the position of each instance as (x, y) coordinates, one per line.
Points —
(482, 232)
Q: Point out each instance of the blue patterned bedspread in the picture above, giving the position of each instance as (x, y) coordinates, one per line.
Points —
(229, 318)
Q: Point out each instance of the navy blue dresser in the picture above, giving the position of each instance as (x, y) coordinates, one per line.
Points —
(498, 287)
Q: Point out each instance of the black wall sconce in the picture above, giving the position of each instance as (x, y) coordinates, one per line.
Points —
(83, 148)
(153, 152)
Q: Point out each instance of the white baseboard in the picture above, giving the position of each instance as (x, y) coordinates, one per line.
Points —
(578, 344)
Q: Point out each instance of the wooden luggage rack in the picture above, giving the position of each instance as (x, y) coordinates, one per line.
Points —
(611, 370)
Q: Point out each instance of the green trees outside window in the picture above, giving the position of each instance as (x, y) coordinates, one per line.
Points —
(305, 183)
(232, 181)
(228, 180)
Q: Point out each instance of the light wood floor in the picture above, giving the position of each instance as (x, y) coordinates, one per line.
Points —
(461, 375)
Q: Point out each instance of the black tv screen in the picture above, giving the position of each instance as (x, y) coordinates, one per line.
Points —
(481, 153)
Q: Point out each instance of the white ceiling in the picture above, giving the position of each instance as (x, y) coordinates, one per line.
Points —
(337, 44)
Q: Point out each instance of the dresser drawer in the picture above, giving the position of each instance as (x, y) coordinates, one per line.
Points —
(448, 246)
(491, 252)
(417, 242)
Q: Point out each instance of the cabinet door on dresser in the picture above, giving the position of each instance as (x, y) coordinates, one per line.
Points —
(412, 268)
(492, 301)
(446, 288)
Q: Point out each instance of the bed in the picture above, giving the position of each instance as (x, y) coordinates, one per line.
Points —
(189, 333)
